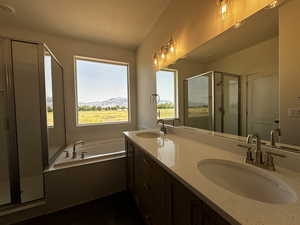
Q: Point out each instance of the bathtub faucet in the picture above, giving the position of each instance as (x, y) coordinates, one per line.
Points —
(80, 142)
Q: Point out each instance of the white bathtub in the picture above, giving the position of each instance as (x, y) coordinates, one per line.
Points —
(94, 152)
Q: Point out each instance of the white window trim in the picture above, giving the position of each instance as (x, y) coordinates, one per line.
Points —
(176, 97)
(76, 57)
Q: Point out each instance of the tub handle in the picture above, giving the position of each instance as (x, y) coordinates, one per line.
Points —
(83, 155)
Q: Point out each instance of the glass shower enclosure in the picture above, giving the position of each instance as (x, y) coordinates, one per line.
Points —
(31, 119)
(212, 102)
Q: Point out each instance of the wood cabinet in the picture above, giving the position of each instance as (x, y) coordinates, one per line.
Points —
(160, 197)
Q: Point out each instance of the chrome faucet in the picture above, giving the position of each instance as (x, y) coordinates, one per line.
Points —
(273, 136)
(255, 139)
(163, 128)
(258, 160)
(74, 154)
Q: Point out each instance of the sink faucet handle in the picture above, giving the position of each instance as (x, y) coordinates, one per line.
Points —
(269, 162)
(249, 157)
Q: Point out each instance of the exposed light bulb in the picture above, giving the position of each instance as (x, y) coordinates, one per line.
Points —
(223, 8)
(273, 4)
(163, 52)
(237, 25)
(172, 49)
(155, 59)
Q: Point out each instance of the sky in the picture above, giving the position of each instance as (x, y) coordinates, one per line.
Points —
(98, 81)
(165, 85)
(48, 76)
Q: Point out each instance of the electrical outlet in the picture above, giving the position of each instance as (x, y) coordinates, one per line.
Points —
(294, 112)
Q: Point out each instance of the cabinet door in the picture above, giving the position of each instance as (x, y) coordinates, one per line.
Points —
(160, 186)
(142, 192)
(130, 165)
(187, 209)
(210, 217)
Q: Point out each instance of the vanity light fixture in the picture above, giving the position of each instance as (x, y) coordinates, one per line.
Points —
(170, 47)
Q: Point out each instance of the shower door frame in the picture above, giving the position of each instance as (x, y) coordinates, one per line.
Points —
(185, 105)
(13, 155)
(213, 93)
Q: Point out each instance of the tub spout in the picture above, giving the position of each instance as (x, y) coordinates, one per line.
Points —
(74, 154)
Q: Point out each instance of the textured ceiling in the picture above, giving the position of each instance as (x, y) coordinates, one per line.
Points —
(124, 23)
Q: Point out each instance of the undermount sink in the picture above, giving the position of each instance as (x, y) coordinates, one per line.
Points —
(148, 135)
(247, 181)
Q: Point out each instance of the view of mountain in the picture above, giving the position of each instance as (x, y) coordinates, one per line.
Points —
(165, 102)
(112, 102)
(198, 104)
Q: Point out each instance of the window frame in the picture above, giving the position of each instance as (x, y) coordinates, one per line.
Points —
(176, 97)
(112, 62)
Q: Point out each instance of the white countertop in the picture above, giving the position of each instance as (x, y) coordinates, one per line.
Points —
(180, 154)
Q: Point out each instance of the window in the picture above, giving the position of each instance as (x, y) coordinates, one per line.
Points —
(48, 86)
(102, 91)
(166, 88)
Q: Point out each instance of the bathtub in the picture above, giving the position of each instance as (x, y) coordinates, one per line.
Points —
(95, 151)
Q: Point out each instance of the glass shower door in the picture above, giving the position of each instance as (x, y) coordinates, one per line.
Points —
(199, 108)
(231, 104)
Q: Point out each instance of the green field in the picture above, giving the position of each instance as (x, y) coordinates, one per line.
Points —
(103, 116)
(198, 111)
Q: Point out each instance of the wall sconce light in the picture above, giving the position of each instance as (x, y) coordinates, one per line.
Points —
(224, 6)
(171, 45)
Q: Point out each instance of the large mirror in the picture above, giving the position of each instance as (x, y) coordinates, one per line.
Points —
(54, 90)
(231, 83)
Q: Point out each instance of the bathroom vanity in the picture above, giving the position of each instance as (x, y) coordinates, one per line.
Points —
(162, 198)
(191, 177)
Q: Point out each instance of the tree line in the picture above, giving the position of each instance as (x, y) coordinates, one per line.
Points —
(165, 106)
(100, 108)
(109, 108)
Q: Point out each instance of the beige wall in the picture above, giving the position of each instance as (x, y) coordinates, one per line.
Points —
(289, 69)
(191, 23)
(259, 59)
(65, 49)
